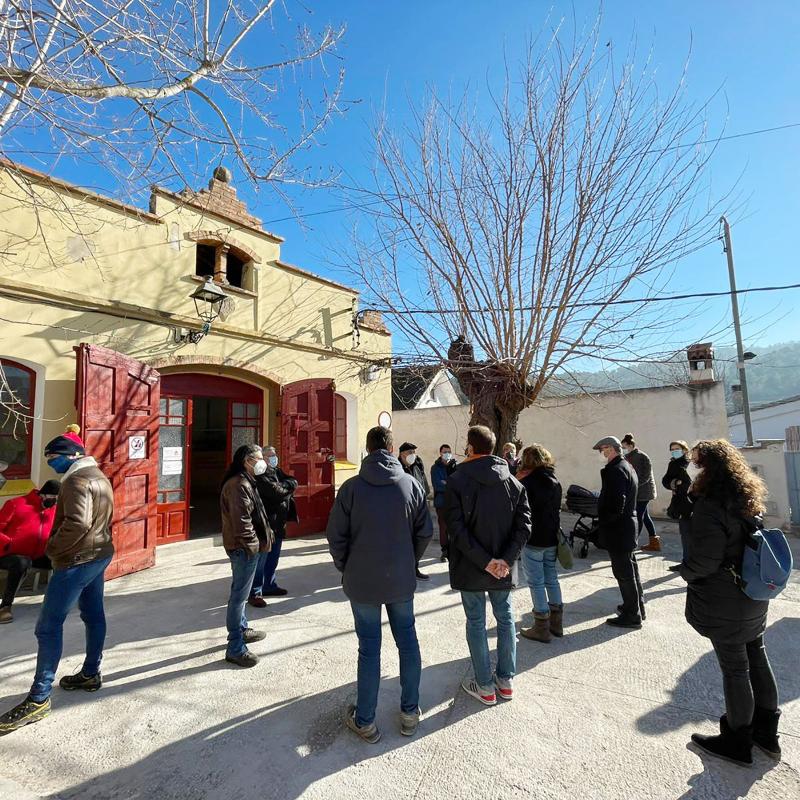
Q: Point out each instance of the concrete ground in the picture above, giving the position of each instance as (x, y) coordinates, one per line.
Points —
(599, 714)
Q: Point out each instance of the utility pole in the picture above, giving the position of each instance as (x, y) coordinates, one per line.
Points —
(748, 424)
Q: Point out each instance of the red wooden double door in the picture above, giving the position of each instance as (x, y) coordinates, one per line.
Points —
(141, 428)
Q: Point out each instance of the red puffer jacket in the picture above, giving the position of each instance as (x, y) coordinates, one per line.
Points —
(25, 526)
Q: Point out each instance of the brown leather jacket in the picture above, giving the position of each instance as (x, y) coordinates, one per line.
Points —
(82, 525)
(244, 523)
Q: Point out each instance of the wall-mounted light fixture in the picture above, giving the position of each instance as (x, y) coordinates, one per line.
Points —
(208, 300)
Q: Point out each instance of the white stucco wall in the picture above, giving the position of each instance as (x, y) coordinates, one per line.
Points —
(443, 391)
(569, 427)
(768, 423)
(767, 459)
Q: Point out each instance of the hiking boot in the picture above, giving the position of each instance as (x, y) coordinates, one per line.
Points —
(275, 591)
(443, 557)
(369, 733)
(642, 612)
(251, 635)
(623, 621)
(5, 615)
(540, 632)
(653, 546)
(422, 577)
(557, 619)
(257, 601)
(89, 683)
(486, 696)
(409, 723)
(246, 659)
(731, 745)
(504, 688)
(765, 732)
(23, 714)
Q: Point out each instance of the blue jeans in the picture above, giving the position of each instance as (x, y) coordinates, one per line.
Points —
(368, 628)
(542, 576)
(81, 584)
(644, 519)
(264, 579)
(243, 567)
(475, 608)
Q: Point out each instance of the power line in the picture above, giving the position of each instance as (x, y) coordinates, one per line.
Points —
(352, 207)
(587, 304)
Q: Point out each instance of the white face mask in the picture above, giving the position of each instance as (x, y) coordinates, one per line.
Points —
(411, 459)
(627, 450)
(260, 467)
(447, 457)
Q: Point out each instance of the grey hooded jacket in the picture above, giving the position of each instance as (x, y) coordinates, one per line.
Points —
(377, 531)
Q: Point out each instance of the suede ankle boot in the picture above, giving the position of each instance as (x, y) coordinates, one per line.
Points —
(732, 745)
(765, 732)
(653, 546)
(540, 632)
(557, 619)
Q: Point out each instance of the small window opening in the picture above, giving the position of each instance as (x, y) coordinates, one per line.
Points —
(235, 270)
(205, 260)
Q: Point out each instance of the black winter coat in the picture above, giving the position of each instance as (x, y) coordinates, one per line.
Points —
(643, 468)
(544, 498)
(276, 490)
(677, 480)
(616, 507)
(715, 605)
(488, 517)
(378, 530)
(417, 471)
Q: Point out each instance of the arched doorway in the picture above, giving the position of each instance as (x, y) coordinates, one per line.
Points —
(203, 420)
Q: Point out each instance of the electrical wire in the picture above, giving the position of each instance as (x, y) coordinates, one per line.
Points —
(587, 304)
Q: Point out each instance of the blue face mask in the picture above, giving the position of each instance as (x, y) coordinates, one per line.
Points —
(60, 463)
(677, 453)
(273, 461)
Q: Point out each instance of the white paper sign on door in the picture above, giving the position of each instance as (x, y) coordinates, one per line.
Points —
(137, 446)
(171, 467)
(172, 454)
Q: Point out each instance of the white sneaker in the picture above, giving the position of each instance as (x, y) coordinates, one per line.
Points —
(485, 696)
(505, 690)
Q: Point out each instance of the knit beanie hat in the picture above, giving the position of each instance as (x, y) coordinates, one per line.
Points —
(68, 444)
(406, 446)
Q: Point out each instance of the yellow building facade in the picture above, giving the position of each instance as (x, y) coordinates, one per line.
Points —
(288, 361)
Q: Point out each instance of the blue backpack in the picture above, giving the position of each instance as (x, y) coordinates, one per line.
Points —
(766, 565)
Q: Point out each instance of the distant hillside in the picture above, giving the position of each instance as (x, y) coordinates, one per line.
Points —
(773, 375)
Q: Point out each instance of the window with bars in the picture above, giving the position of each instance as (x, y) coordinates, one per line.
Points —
(340, 422)
(245, 425)
(17, 393)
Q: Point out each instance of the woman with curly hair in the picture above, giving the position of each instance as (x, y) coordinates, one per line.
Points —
(728, 500)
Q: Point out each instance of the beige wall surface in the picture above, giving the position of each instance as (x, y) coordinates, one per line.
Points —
(569, 427)
(767, 459)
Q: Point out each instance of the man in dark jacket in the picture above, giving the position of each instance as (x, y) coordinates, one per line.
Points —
(276, 490)
(442, 469)
(618, 530)
(488, 523)
(377, 531)
(80, 548)
(413, 466)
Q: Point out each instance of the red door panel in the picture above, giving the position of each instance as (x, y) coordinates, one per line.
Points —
(307, 444)
(117, 400)
(175, 444)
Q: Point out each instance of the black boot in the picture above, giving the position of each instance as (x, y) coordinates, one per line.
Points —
(765, 732)
(732, 745)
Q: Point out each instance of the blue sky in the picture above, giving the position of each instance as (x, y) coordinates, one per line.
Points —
(748, 52)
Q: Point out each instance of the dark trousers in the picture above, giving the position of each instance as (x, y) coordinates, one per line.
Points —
(16, 567)
(442, 529)
(747, 680)
(685, 528)
(626, 571)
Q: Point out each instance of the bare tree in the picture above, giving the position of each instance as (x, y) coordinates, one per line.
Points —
(152, 90)
(502, 243)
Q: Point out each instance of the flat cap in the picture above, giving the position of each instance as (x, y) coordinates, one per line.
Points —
(407, 446)
(606, 440)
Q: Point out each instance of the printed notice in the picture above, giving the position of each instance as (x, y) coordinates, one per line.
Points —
(171, 467)
(172, 454)
(137, 446)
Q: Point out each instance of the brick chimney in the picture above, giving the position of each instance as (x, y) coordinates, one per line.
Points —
(701, 363)
(220, 198)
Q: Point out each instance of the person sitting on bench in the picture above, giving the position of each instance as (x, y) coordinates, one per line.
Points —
(25, 525)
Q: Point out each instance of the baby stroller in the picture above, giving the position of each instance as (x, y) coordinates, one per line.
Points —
(583, 502)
